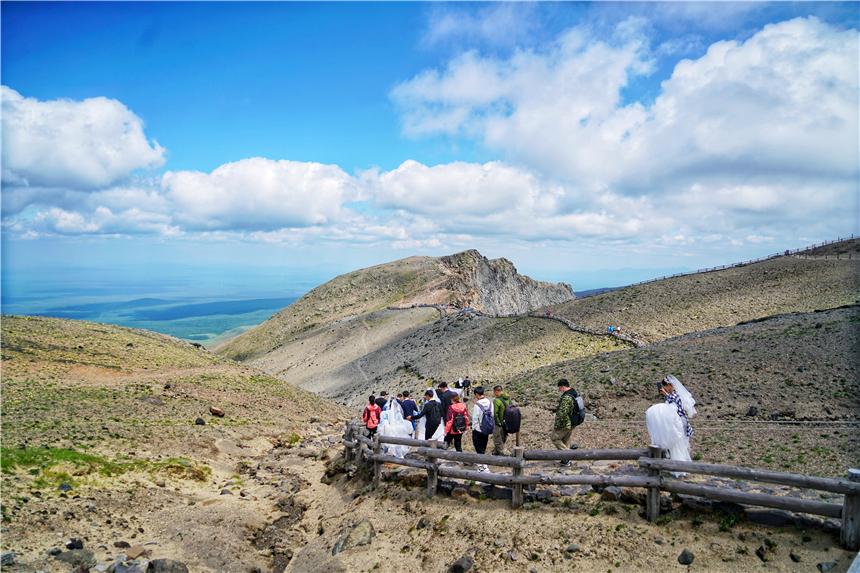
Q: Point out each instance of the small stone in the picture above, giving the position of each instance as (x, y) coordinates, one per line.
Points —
(513, 555)
(226, 491)
(166, 566)
(762, 553)
(461, 565)
(7, 558)
(826, 566)
(215, 411)
(121, 544)
(54, 551)
(794, 557)
(611, 493)
(753, 411)
(360, 534)
(499, 543)
(459, 493)
(659, 540)
(74, 543)
(200, 422)
(686, 557)
(572, 548)
(160, 483)
(64, 487)
(136, 551)
(422, 523)
(77, 558)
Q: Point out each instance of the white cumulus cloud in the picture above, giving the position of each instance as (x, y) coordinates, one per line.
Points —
(67, 144)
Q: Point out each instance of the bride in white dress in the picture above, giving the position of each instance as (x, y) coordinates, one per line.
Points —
(669, 423)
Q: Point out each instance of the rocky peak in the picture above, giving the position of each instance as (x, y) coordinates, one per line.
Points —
(496, 288)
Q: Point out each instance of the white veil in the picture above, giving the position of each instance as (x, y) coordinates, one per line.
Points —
(393, 424)
(687, 400)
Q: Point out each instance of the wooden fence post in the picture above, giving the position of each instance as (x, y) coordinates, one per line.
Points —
(850, 532)
(433, 473)
(347, 434)
(652, 497)
(517, 489)
(377, 465)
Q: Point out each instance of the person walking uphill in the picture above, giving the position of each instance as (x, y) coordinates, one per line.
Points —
(456, 423)
(370, 416)
(483, 424)
(501, 401)
(432, 410)
(569, 414)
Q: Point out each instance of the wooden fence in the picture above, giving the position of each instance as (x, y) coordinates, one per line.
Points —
(428, 455)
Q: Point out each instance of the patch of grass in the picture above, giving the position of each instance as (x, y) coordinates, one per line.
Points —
(728, 520)
(54, 466)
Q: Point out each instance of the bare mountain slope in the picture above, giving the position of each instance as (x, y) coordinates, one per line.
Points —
(675, 306)
(463, 280)
(482, 347)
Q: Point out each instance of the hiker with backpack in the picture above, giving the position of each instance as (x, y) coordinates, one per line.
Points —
(371, 415)
(506, 418)
(483, 424)
(456, 423)
(569, 414)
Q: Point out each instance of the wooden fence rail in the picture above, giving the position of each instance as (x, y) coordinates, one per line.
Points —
(359, 448)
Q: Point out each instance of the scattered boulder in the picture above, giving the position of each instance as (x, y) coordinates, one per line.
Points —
(572, 548)
(121, 544)
(611, 493)
(361, 533)
(461, 565)
(763, 553)
(753, 411)
(127, 566)
(77, 557)
(166, 566)
(794, 557)
(215, 411)
(200, 422)
(460, 493)
(7, 558)
(423, 523)
(826, 566)
(74, 543)
(686, 557)
(226, 491)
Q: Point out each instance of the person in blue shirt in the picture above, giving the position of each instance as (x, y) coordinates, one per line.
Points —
(410, 408)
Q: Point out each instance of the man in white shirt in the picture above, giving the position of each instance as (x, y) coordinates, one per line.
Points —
(483, 424)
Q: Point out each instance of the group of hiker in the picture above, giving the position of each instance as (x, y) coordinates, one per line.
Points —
(442, 414)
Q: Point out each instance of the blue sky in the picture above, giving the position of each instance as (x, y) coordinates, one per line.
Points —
(579, 140)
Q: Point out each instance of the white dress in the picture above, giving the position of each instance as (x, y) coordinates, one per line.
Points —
(392, 424)
(667, 427)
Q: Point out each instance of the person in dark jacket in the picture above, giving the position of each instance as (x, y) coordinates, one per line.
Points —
(433, 411)
(445, 395)
(382, 400)
(409, 408)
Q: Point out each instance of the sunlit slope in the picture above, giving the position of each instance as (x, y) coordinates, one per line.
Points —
(670, 307)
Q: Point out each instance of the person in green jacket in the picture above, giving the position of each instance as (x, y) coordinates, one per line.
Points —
(500, 403)
(562, 428)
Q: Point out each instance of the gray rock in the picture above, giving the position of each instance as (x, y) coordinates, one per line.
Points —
(762, 553)
(77, 558)
(826, 566)
(422, 523)
(794, 557)
(166, 566)
(686, 557)
(7, 558)
(74, 543)
(226, 491)
(123, 566)
(513, 555)
(659, 540)
(572, 548)
(461, 565)
(361, 534)
(753, 411)
(64, 487)
(200, 422)
(611, 493)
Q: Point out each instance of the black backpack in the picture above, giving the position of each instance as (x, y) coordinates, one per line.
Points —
(577, 415)
(459, 423)
(511, 419)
